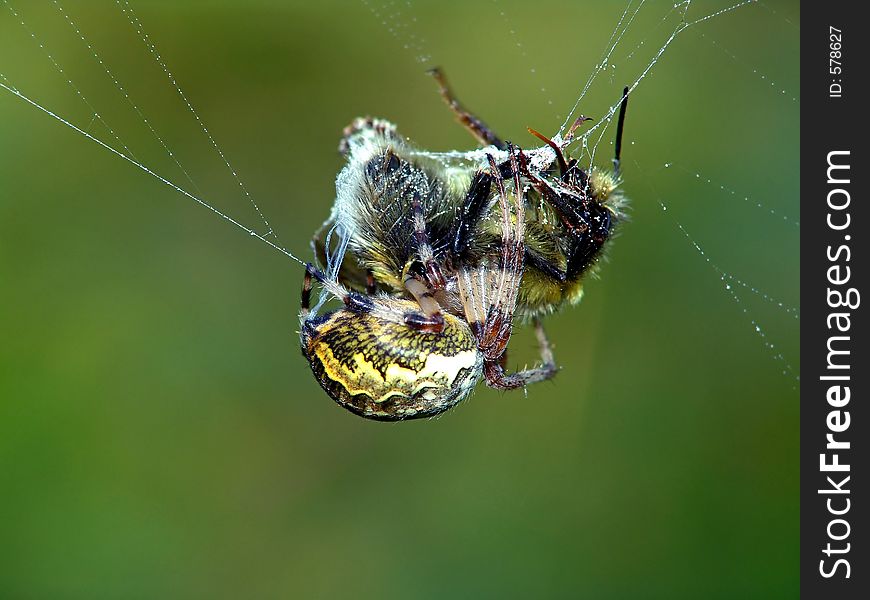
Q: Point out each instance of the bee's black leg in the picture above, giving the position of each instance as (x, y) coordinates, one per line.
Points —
(475, 126)
(470, 213)
(535, 260)
(586, 221)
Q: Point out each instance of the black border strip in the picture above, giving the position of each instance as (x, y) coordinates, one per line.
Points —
(835, 225)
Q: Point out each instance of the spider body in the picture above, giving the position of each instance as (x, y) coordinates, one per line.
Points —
(437, 255)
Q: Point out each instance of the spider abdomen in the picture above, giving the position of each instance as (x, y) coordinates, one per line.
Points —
(380, 368)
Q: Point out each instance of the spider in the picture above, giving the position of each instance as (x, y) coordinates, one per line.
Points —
(438, 254)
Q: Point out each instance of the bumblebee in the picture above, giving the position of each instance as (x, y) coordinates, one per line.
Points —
(438, 254)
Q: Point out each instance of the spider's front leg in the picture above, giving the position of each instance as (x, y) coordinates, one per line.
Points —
(424, 285)
(362, 304)
(489, 292)
(513, 253)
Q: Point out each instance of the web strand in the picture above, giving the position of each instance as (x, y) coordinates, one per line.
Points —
(123, 91)
(726, 279)
(723, 188)
(5, 84)
(96, 116)
(617, 37)
(127, 10)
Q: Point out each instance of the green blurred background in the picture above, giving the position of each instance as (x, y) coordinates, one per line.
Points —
(162, 437)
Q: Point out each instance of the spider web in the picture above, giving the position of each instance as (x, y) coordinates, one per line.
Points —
(643, 37)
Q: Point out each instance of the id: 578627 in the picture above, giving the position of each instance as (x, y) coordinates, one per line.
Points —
(835, 62)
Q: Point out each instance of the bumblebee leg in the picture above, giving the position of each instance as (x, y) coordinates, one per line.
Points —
(587, 222)
(475, 126)
(498, 379)
(470, 213)
(536, 261)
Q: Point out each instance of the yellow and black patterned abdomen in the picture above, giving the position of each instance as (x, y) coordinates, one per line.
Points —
(382, 369)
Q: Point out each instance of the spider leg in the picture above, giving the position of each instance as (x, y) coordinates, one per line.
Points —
(361, 303)
(431, 318)
(350, 298)
(497, 378)
(306, 291)
(474, 125)
(494, 335)
(499, 322)
(432, 277)
(488, 289)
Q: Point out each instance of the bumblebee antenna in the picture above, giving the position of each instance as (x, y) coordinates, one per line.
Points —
(619, 125)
